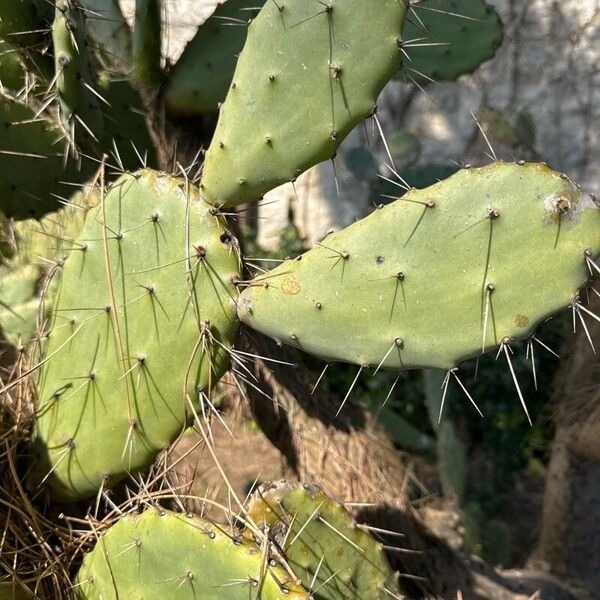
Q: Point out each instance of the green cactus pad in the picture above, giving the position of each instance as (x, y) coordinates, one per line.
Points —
(468, 33)
(146, 50)
(488, 253)
(79, 104)
(19, 302)
(309, 72)
(32, 146)
(141, 324)
(109, 30)
(20, 22)
(12, 74)
(158, 555)
(202, 76)
(125, 126)
(334, 558)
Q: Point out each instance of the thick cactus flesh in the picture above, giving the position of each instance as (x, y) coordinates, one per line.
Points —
(445, 39)
(437, 276)
(33, 176)
(141, 325)
(202, 76)
(333, 556)
(159, 555)
(309, 72)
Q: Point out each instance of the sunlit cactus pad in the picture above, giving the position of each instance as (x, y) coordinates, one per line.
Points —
(160, 555)
(437, 276)
(335, 558)
(141, 325)
(309, 72)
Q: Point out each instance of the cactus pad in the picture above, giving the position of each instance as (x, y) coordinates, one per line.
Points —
(141, 325)
(202, 76)
(79, 103)
(437, 276)
(159, 555)
(325, 548)
(18, 302)
(12, 74)
(125, 126)
(450, 38)
(309, 72)
(29, 145)
(109, 30)
(20, 22)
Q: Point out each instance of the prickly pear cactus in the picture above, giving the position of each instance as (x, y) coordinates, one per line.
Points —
(109, 31)
(18, 302)
(12, 75)
(448, 38)
(333, 556)
(437, 276)
(202, 76)
(141, 326)
(79, 103)
(159, 555)
(30, 145)
(20, 22)
(309, 72)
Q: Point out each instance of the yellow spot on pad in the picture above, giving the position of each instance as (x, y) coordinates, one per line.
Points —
(521, 321)
(291, 285)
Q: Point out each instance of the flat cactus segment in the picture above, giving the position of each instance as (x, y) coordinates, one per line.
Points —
(334, 558)
(125, 125)
(79, 103)
(109, 30)
(19, 303)
(449, 38)
(309, 72)
(12, 74)
(437, 276)
(158, 555)
(146, 52)
(29, 145)
(19, 22)
(141, 325)
(202, 76)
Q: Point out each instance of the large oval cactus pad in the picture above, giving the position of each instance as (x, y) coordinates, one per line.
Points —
(142, 322)
(309, 72)
(450, 38)
(159, 555)
(437, 276)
